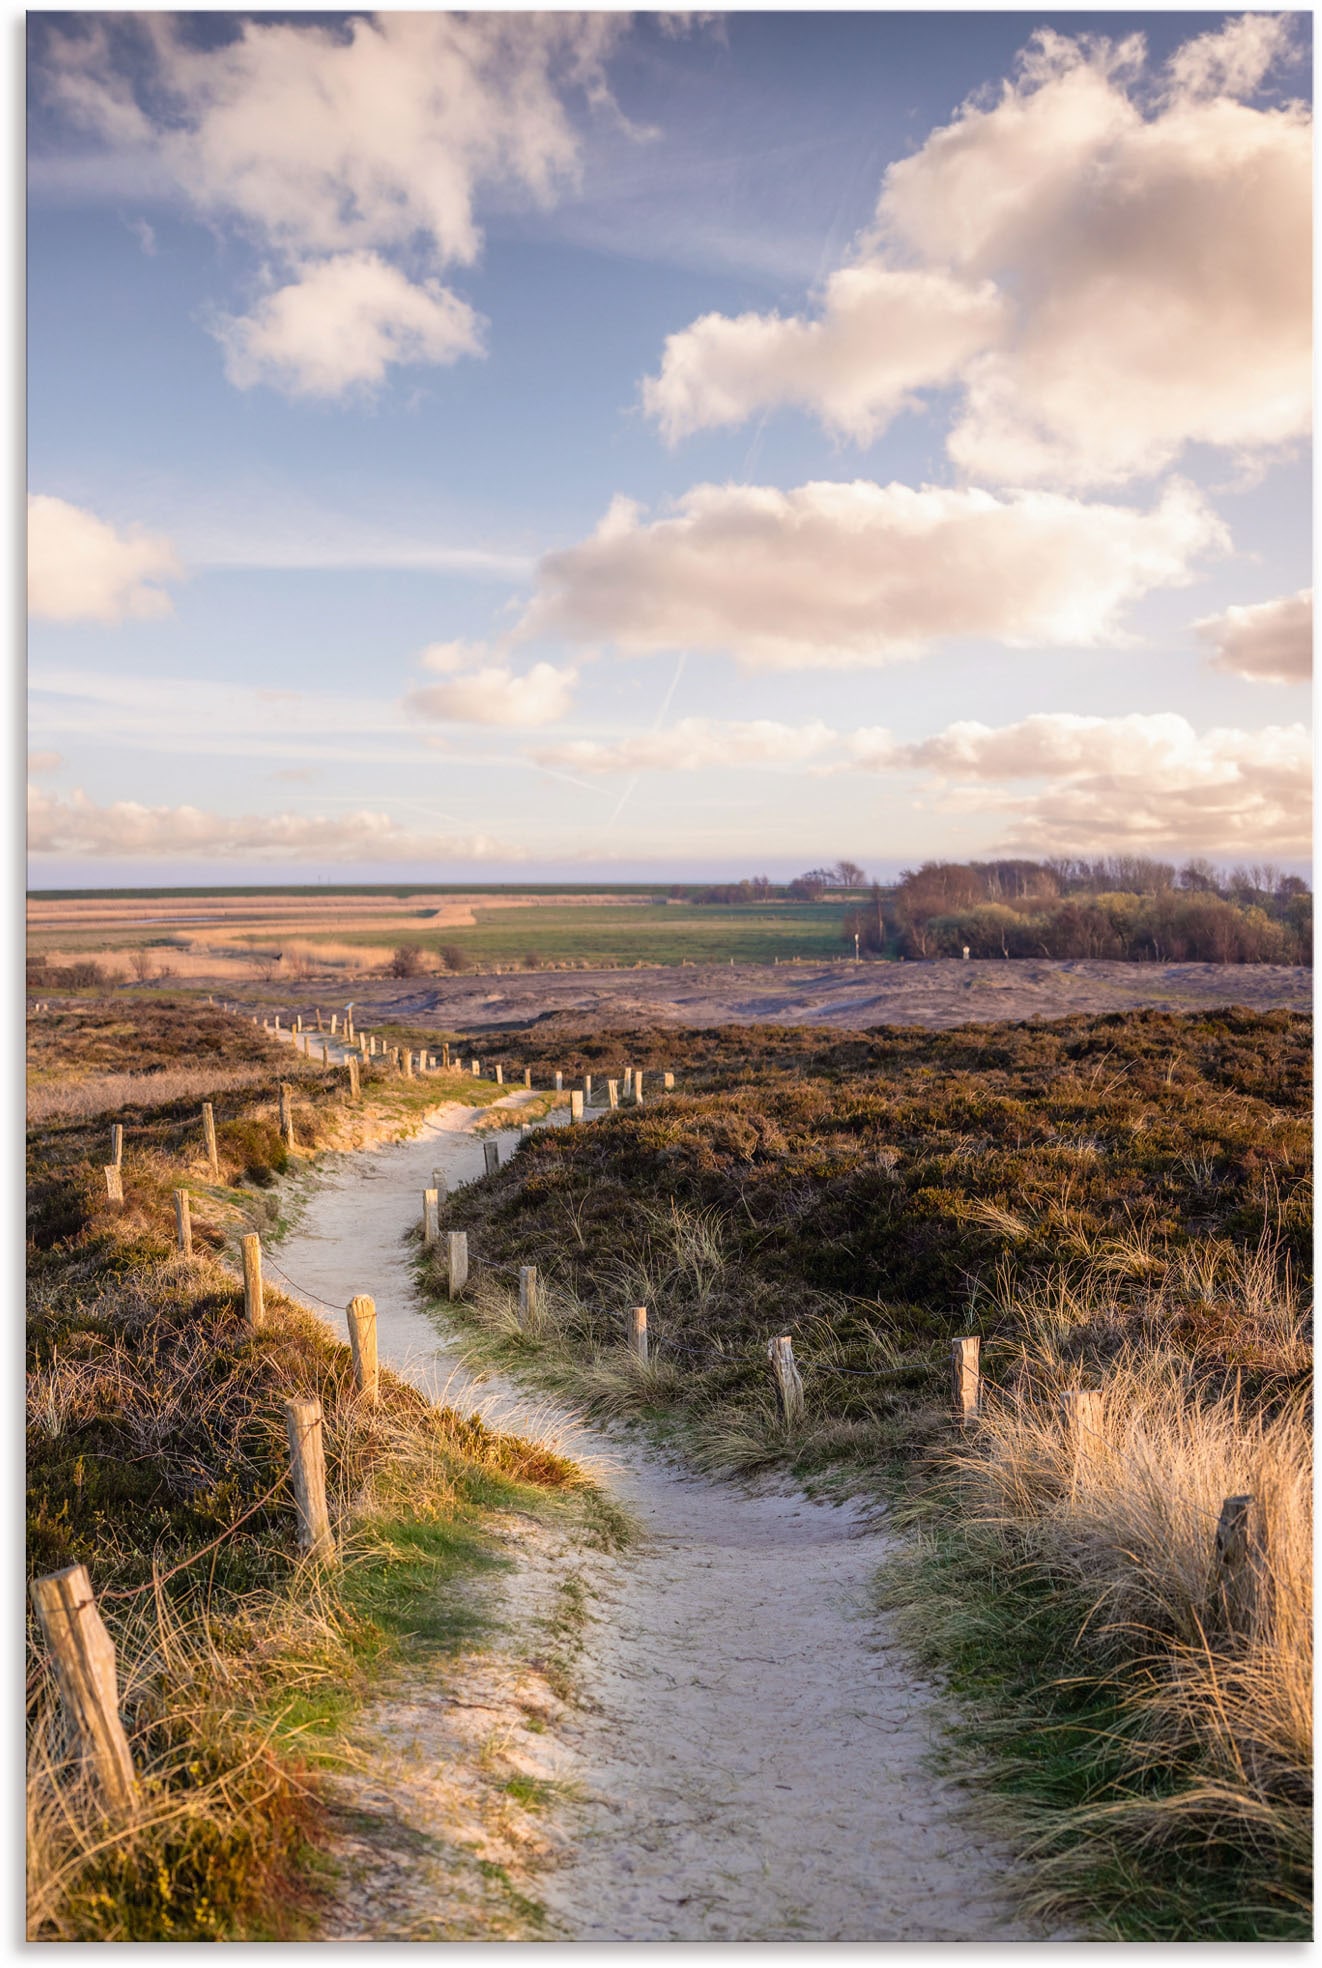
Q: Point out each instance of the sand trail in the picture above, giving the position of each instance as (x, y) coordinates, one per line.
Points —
(749, 1745)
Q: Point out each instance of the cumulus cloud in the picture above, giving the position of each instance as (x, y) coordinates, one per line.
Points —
(1143, 782)
(342, 323)
(693, 743)
(341, 142)
(847, 574)
(81, 569)
(1267, 642)
(77, 825)
(491, 694)
(1116, 264)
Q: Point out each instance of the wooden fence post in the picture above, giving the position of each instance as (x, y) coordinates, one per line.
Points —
(559, 1082)
(431, 1217)
(117, 1145)
(287, 1114)
(209, 1136)
(183, 1223)
(361, 1312)
(500, 1073)
(1239, 1554)
(612, 1094)
(335, 1023)
(439, 1184)
(406, 1062)
(966, 1378)
(527, 1297)
(319, 1024)
(114, 1183)
(254, 1308)
(527, 1076)
(445, 1053)
(307, 1462)
(355, 1084)
(576, 1106)
(628, 1081)
(475, 1067)
(84, 1657)
(667, 1083)
(457, 1252)
(1082, 1409)
(490, 1157)
(638, 1333)
(587, 1088)
(780, 1352)
(637, 1089)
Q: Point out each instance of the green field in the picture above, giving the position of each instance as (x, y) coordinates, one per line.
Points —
(663, 933)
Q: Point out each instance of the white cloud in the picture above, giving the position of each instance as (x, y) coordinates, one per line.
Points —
(847, 574)
(1144, 782)
(80, 569)
(1117, 265)
(496, 695)
(342, 324)
(341, 143)
(693, 743)
(1267, 642)
(883, 333)
(39, 762)
(77, 825)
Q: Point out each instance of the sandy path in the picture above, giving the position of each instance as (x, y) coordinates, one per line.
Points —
(749, 1744)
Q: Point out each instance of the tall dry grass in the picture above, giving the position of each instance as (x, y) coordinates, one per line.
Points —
(111, 1093)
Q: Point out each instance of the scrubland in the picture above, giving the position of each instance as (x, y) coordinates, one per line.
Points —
(1120, 1203)
(157, 1457)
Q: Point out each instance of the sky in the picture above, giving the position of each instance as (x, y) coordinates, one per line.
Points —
(600, 447)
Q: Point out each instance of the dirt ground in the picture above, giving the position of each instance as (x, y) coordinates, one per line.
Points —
(850, 996)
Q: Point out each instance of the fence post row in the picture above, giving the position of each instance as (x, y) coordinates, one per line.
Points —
(789, 1386)
(361, 1313)
(307, 1462)
(966, 1378)
(183, 1223)
(254, 1308)
(84, 1657)
(209, 1136)
(457, 1261)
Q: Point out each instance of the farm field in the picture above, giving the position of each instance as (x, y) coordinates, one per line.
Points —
(232, 934)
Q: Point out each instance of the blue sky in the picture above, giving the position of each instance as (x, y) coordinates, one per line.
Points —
(312, 401)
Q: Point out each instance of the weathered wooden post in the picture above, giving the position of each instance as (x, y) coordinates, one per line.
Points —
(789, 1386)
(84, 1657)
(612, 1094)
(628, 1081)
(1240, 1555)
(966, 1379)
(667, 1083)
(475, 1068)
(527, 1297)
(638, 1333)
(559, 1082)
(431, 1217)
(1082, 1409)
(500, 1073)
(117, 1145)
(335, 1023)
(277, 1021)
(576, 1105)
(361, 1314)
(209, 1137)
(457, 1252)
(490, 1157)
(319, 1024)
(298, 1021)
(254, 1307)
(637, 1089)
(439, 1184)
(287, 1114)
(355, 1084)
(587, 1088)
(307, 1464)
(527, 1076)
(114, 1183)
(445, 1054)
(183, 1223)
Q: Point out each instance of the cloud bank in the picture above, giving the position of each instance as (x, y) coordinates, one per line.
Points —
(1266, 642)
(1114, 265)
(847, 574)
(125, 828)
(80, 569)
